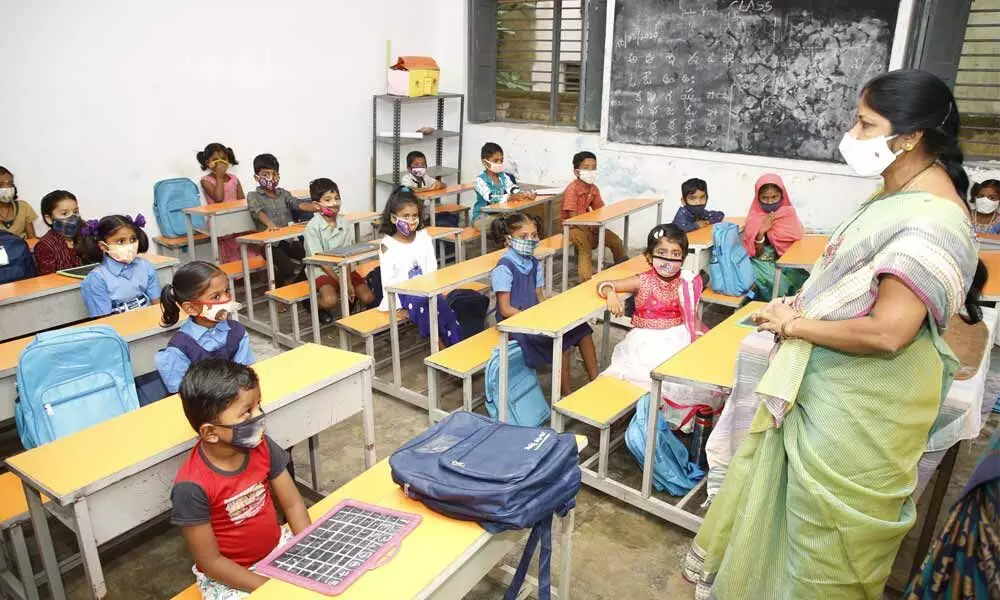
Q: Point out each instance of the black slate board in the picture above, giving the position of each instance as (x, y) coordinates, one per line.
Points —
(764, 77)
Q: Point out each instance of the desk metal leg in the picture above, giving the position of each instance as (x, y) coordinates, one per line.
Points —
(246, 285)
(937, 498)
(550, 263)
(313, 463)
(368, 417)
(659, 212)
(214, 238)
(651, 421)
(432, 393)
(557, 358)
(777, 281)
(345, 294)
(88, 548)
(566, 525)
(625, 235)
(606, 340)
(550, 217)
(600, 249)
(482, 232)
(565, 261)
(459, 248)
(432, 306)
(23, 563)
(40, 525)
(190, 235)
(502, 404)
(314, 304)
(357, 232)
(397, 376)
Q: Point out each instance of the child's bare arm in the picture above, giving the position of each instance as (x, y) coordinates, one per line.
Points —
(540, 294)
(216, 192)
(200, 541)
(290, 501)
(504, 306)
(239, 191)
(610, 290)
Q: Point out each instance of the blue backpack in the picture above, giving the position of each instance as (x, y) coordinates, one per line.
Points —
(16, 262)
(70, 379)
(526, 403)
(170, 198)
(731, 271)
(672, 471)
(502, 476)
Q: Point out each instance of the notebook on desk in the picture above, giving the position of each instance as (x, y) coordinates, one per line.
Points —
(350, 250)
(79, 272)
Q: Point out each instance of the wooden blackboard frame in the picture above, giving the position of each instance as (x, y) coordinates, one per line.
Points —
(902, 39)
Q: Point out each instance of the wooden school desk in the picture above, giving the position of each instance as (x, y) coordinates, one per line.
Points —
(267, 240)
(344, 263)
(513, 206)
(556, 316)
(441, 558)
(991, 291)
(434, 195)
(803, 254)
(46, 301)
(222, 218)
(140, 328)
(114, 476)
(600, 218)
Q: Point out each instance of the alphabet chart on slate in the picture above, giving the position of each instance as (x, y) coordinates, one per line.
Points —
(765, 77)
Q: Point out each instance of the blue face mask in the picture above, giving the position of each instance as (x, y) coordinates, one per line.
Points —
(67, 227)
(769, 208)
(697, 210)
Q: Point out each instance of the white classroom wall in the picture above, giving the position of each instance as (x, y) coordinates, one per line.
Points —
(105, 98)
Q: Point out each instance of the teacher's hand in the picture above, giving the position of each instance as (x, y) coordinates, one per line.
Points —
(775, 316)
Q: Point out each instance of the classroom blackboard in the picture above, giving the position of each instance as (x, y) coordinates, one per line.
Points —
(764, 77)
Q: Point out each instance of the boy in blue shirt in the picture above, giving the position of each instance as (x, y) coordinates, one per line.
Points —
(693, 214)
(494, 184)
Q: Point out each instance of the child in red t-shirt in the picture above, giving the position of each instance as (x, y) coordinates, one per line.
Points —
(222, 496)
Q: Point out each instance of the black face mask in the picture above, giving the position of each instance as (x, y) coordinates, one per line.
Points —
(698, 210)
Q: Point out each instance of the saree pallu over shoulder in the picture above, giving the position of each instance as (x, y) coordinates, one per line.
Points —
(933, 252)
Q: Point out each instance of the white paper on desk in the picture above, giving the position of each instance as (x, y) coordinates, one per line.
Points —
(415, 135)
(550, 191)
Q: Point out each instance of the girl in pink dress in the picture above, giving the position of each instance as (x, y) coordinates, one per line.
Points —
(665, 318)
(221, 186)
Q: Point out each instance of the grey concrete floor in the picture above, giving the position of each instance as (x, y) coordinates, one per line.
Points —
(618, 552)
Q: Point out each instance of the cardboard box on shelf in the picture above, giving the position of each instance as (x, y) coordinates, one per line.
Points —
(413, 76)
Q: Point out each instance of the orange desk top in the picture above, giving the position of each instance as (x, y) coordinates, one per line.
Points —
(279, 234)
(703, 235)
(219, 207)
(711, 359)
(804, 253)
(612, 211)
(992, 261)
(427, 194)
(127, 324)
(427, 552)
(435, 233)
(516, 205)
(70, 464)
(53, 281)
(554, 314)
(432, 283)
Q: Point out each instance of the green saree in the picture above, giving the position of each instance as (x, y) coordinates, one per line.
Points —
(817, 499)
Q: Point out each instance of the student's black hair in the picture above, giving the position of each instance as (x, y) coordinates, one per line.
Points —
(770, 186)
(581, 156)
(414, 155)
(49, 201)
(501, 227)
(912, 101)
(400, 197)
(188, 284)
(978, 187)
(88, 249)
(669, 231)
(693, 185)
(265, 161)
(318, 187)
(489, 149)
(211, 149)
(5, 171)
(210, 386)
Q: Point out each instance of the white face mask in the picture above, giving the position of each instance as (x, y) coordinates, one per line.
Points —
(868, 157)
(587, 176)
(220, 311)
(986, 206)
(419, 172)
(7, 194)
(495, 167)
(124, 254)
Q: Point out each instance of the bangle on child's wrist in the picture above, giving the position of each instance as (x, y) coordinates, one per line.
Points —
(759, 240)
(602, 287)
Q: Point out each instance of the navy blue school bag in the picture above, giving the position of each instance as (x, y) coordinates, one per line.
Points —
(16, 262)
(672, 471)
(170, 198)
(526, 403)
(730, 269)
(70, 379)
(503, 476)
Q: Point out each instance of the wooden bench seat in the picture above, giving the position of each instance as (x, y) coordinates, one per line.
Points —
(176, 247)
(234, 268)
(448, 209)
(13, 516)
(601, 403)
(189, 593)
(710, 296)
(463, 360)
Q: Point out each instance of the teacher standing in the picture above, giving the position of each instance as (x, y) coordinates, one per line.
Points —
(817, 499)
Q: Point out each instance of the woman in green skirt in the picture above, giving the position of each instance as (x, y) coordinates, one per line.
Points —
(817, 499)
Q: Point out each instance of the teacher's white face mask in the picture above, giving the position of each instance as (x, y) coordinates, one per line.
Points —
(868, 157)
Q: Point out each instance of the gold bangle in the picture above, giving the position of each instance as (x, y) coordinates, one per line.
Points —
(785, 325)
(603, 285)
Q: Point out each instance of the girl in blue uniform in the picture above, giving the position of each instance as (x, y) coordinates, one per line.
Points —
(124, 280)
